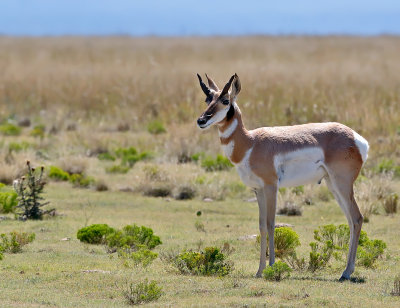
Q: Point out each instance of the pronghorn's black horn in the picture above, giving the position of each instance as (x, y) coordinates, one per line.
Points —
(227, 86)
(212, 84)
(205, 89)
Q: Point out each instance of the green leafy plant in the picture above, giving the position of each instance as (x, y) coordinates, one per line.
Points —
(80, 180)
(130, 156)
(216, 164)
(38, 131)
(58, 174)
(29, 189)
(278, 271)
(142, 292)
(370, 251)
(106, 156)
(142, 257)
(156, 127)
(14, 241)
(18, 146)
(133, 236)
(286, 240)
(94, 234)
(209, 262)
(8, 201)
(9, 129)
(117, 169)
(388, 165)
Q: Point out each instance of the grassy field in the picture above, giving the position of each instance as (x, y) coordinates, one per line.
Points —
(65, 102)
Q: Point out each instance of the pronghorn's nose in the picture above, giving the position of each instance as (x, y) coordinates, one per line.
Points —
(201, 121)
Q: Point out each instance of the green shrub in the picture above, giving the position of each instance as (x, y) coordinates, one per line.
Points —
(9, 129)
(333, 241)
(142, 256)
(80, 180)
(278, 271)
(30, 189)
(8, 201)
(197, 156)
(38, 131)
(142, 292)
(106, 156)
(286, 241)
(117, 169)
(130, 156)
(156, 127)
(94, 234)
(369, 252)
(18, 146)
(208, 262)
(388, 165)
(58, 174)
(14, 241)
(298, 190)
(218, 164)
(133, 236)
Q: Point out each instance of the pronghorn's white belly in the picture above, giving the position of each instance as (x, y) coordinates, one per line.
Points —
(300, 167)
(248, 177)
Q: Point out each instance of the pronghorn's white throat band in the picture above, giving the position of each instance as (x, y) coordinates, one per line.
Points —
(229, 131)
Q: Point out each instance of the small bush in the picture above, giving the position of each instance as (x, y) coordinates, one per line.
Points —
(387, 166)
(290, 209)
(130, 156)
(18, 146)
(185, 193)
(8, 201)
(117, 169)
(14, 241)
(369, 252)
(142, 292)
(142, 256)
(58, 174)
(197, 156)
(133, 236)
(208, 262)
(106, 156)
(286, 241)
(94, 234)
(218, 164)
(298, 190)
(79, 180)
(156, 127)
(390, 202)
(38, 131)
(30, 190)
(9, 129)
(280, 270)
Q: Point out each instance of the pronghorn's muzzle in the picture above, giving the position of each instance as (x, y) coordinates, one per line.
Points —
(202, 121)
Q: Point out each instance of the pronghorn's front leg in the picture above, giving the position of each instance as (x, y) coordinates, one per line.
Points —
(266, 198)
(271, 192)
(262, 207)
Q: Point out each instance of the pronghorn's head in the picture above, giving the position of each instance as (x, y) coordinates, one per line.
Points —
(219, 102)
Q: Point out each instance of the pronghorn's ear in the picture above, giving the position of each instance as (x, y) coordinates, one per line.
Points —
(212, 84)
(227, 87)
(236, 87)
(205, 89)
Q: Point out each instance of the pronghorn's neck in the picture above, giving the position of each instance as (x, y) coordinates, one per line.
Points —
(234, 137)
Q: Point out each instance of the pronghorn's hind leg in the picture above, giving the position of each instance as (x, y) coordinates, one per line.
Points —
(262, 207)
(342, 188)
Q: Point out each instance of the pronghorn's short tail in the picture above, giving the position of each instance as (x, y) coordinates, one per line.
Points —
(362, 145)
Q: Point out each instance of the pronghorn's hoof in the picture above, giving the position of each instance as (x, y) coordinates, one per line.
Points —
(258, 275)
(343, 278)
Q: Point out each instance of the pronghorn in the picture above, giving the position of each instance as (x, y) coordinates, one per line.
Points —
(267, 158)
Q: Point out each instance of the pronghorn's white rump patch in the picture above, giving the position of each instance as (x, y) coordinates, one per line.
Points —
(229, 131)
(246, 174)
(300, 167)
(228, 148)
(362, 146)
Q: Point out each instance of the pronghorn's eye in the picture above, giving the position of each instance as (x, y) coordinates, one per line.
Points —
(225, 102)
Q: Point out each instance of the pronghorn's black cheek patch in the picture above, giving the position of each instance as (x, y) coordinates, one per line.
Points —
(230, 113)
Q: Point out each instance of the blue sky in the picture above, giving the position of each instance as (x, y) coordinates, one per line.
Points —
(201, 17)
